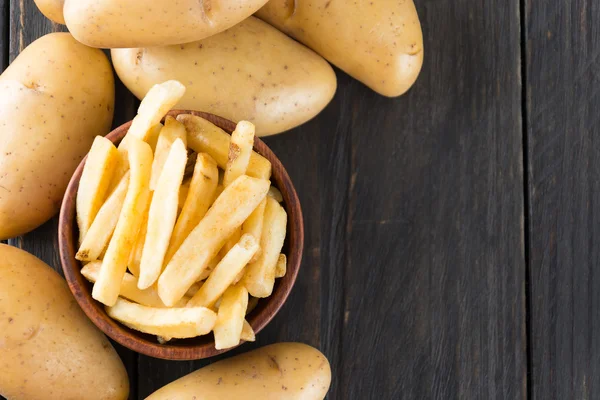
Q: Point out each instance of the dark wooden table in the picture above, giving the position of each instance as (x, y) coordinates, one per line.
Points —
(451, 234)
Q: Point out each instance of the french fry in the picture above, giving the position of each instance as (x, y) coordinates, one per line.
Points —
(102, 228)
(260, 275)
(230, 318)
(200, 196)
(247, 332)
(95, 180)
(106, 288)
(218, 192)
(135, 258)
(165, 322)
(152, 139)
(240, 149)
(231, 241)
(225, 272)
(192, 291)
(129, 290)
(183, 192)
(153, 136)
(281, 267)
(172, 131)
(252, 303)
(162, 215)
(276, 194)
(157, 102)
(228, 212)
(254, 225)
(203, 136)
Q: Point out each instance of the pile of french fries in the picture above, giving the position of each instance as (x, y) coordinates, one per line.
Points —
(180, 229)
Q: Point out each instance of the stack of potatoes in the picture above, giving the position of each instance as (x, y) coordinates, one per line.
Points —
(59, 93)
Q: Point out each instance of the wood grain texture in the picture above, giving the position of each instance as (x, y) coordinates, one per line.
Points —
(434, 297)
(563, 86)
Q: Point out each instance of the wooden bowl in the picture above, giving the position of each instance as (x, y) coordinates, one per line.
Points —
(183, 349)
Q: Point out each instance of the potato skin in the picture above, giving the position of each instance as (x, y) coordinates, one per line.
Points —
(54, 99)
(249, 72)
(137, 23)
(292, 371)
(52, 9)
(49, 349)
(380, 43)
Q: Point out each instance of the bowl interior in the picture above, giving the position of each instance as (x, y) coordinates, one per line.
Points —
(203, 346)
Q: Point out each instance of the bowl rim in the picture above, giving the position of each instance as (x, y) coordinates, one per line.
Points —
(180, 350)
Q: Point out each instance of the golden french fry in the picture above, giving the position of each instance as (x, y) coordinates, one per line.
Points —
(209, 268)
(129, 290)
(218, 192)
(183, 192)
(172, 131)
(102, 228)
(276, 194)
(240, 149)
(95, 180)
(252, 303)
(247, 332)
(106, 288)
(157, 102)
(281, 267)
(203, 136)
(166, 322)
(153, 136)
(192, 291)
(225, 272)
(260, 275)
(199, 198)
(254, 225)
(230, 318)
(135, 258)
(228, 212)
(162, 215)
(231, 241)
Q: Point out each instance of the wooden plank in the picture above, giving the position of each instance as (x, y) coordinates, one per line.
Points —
(434, 303)
(563, 86)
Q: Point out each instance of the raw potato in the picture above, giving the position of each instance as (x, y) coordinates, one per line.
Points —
(49, 349)
(279, 371)
(55, 97)
(380, 43)
(52, 9)
(135, 23)
(249, 72)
